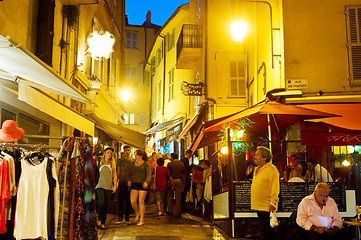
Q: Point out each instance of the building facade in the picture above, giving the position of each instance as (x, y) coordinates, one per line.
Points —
(53, 78)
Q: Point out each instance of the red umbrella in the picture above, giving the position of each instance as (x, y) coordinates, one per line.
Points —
(268, 115)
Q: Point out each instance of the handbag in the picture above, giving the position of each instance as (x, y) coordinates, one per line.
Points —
(153, 184)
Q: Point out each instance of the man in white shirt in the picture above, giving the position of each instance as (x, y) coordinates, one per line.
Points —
(319, 173)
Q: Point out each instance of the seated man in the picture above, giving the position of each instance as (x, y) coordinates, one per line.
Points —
(317, 172)
(318, 215)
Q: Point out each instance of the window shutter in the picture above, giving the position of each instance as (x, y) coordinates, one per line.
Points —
(237, 78)
(140, 75)
(135, 40)
(167, 43)
(45, 29)
(128, 41)
(142, 119)
(354, 43)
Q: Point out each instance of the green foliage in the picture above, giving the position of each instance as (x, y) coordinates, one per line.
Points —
(242, 125)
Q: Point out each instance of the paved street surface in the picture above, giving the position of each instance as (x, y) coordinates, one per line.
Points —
(186, 227)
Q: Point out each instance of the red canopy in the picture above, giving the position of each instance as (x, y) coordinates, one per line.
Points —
(342, 131)
(281, 116)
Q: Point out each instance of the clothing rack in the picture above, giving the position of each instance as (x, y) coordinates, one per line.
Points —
(26, 145)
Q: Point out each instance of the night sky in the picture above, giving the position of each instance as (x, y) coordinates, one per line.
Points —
(161, 10)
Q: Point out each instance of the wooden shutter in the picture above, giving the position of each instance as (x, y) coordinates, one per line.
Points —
(44, 43)
(354, 43)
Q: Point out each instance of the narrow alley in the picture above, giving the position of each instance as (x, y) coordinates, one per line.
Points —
(185, 227)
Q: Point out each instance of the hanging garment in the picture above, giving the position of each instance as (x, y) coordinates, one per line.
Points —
(32, 202)
(54, 199)
(4, 192)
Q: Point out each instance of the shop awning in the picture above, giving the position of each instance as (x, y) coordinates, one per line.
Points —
(164, 126)
(20, 65)
(121, 133)
(350, 112)
(323, 134)
(340, 131)
(53, 108)
(204, 138)
(191, 122)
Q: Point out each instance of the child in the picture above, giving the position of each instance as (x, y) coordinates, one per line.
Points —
(161, 176)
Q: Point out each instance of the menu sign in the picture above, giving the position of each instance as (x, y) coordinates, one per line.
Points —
(242, 197)
(291, 195)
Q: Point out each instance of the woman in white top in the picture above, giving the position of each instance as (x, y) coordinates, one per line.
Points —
(107, 184)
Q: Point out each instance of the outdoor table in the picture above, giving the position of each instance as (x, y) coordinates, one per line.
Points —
(354, 222)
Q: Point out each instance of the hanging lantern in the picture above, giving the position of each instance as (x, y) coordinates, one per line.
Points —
(100, 44)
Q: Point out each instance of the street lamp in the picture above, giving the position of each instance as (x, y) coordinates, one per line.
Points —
(238, 30)
(236, 33)
(126, 95)
(100, 44)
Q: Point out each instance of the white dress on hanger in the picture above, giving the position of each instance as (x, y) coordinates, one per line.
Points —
(32, 202)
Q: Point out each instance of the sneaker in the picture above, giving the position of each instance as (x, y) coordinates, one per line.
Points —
(128, 222)
(119, 221)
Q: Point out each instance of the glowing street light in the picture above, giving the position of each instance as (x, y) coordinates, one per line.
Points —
(346, 163)
(101, 44)
(126, 95)
(238, 30)
(224, 150)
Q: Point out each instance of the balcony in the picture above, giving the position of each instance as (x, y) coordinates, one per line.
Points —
(189, 46)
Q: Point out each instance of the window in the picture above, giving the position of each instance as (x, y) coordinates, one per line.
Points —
(33, 127)
(166, 43)
(171, 84)
(7, 115)
(146, 79)
(237, 78)
(159, 95)
(354, 43)
(131, 76)
(152, 67)
(131, 41)
(172, 39)
(159, 56)
(129, 118)
(140, 75)
(97, 69)
(142, 119)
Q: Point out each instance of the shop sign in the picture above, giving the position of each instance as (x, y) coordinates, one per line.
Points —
(173, 133)
(190, 89)
(330, 139)
(297, 83)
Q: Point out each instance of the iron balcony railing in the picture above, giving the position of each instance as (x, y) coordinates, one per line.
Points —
(190, 37)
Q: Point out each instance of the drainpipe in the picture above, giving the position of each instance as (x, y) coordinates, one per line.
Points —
(212, 100)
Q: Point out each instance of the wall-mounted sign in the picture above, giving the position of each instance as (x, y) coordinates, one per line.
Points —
(296, 83)
(190, 89)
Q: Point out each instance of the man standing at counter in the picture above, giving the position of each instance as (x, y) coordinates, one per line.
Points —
(264, 190)
(318, 215)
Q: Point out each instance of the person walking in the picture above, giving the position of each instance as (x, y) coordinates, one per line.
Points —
(177, 171)
(161, 177)
(124, 165)
(264, 190)
(139, 180)
(186, 160)
(107, 185)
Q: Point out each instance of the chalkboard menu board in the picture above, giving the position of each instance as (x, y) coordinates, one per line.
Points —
(291, 195)
(242, 197)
